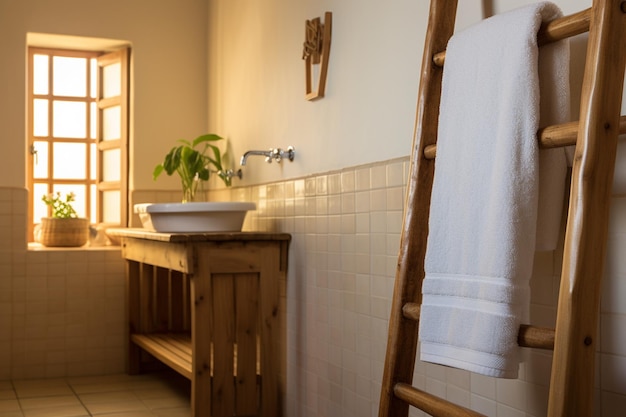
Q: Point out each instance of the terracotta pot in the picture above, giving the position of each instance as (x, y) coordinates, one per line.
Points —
(64, 232)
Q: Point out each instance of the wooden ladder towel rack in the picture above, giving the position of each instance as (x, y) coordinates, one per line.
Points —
(575, 338)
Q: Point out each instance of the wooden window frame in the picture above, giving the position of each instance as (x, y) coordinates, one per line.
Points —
(103, 58)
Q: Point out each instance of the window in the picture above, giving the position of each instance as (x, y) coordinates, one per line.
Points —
(78, 132)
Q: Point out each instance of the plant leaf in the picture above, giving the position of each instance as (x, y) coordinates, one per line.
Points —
(191, 164)
(204, 174)
(225, 159)
(195, 162)
(172, 160)
(209, 137)
(218, 159)
(157, 171)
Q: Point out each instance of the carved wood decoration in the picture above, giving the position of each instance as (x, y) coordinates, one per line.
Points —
(315, 53)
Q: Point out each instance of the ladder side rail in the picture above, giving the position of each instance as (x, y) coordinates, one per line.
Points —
(402, 342)
(571, 386)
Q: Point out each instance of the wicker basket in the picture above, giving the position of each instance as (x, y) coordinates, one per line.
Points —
(64, 232)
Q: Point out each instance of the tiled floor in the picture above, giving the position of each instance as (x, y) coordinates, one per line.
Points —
(161, 394)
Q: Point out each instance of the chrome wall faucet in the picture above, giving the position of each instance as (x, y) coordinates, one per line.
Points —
(273, 154)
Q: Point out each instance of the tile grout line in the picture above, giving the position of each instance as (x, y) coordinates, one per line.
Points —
(19, 403)
(80, 400)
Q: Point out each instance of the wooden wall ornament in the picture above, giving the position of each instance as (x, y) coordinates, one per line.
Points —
(315, 52)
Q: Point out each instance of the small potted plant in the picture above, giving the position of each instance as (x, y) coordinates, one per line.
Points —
(64, 228)
(193, 165)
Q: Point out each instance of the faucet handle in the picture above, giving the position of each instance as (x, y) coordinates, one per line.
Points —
(277, 154)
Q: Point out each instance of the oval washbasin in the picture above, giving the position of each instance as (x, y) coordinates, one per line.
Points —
(213, 216)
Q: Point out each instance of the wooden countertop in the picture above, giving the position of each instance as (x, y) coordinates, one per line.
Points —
(140, 233)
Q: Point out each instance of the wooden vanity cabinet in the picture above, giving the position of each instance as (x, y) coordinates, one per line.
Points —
(207, 305)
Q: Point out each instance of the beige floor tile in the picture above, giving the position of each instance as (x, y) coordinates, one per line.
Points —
(163, 394)
(166, 402)
(115, 383)
(49, 402)
(181, 389)
(104, 380)
(69, 411)
(96, 388)
(6, 385)
(146, 385)
(9, 406)
(173, 412)
(42, 388)
(116, 407)
(7, 394)
(100, 379)
(30, 383)
(108, 397)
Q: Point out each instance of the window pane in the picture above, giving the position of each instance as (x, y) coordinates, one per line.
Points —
(93, 88)
(111, 165)
(94, 205)
(40, 165)
(40, 208)
(40, 117)
(79, 190)
(69, 160)
(40, 74)
(93, 154)
(111, 206)
(69, 76)
(111, 80)
(69, 119)
(93, 115)
(111, 123)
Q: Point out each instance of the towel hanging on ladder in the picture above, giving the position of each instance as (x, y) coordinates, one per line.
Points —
(491, 180)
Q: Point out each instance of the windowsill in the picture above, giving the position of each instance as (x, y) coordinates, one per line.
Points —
(34, 246)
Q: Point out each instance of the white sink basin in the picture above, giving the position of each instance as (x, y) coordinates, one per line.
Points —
(214, 216)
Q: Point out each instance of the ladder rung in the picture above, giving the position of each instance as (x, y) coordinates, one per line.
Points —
(549, 137)
(535, 337)
(411, 311)
(564, 27)
(431, 404)
(553, 31)
(528, 336)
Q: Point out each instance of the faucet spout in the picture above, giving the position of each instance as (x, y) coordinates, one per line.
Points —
(266, 154)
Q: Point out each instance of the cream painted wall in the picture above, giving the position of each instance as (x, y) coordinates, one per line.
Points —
(169, 72)
(255, 83)
(256, 79)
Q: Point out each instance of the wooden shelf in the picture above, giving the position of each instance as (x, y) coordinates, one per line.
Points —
(173, 349)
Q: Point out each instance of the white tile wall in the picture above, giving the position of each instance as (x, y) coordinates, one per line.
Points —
(61, 312)
(346, 233)
(62, 309)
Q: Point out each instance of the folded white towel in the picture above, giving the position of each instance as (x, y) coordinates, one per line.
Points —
(483, 217)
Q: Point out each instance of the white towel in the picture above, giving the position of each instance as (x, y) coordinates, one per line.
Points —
(483, 217)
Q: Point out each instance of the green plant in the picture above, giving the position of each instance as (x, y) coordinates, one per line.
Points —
(61, 207)
(194, 165)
